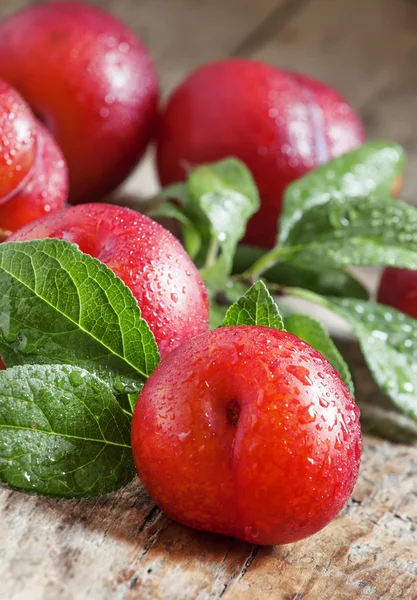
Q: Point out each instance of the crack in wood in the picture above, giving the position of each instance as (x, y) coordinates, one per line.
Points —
(150, 518)
(220, 571)
(248, 562)
(152, 539)
(269, 27)
(133, 582)
(407, 520)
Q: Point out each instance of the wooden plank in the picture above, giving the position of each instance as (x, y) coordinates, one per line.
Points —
(120, 546)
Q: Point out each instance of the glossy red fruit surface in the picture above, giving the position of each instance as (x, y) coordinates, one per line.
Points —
(44, 190)
(91, 81)
(281, 124)
(249, 432)
(17, 141)
(147, 257)
(398, 288)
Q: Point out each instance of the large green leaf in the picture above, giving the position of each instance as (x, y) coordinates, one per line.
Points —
(370, 171)
(62, 432)
(58, 305)
(362, 232)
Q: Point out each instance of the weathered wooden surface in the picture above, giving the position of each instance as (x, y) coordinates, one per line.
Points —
(121, 546)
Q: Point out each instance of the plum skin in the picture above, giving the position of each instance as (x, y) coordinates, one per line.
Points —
(18, 144)
(398, 288)
(44, 190)
(91, 81)
(250, 432)
(146, 256)
(33, 173)
(281, 124)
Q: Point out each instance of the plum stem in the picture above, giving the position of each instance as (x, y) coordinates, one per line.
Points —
(212, 253)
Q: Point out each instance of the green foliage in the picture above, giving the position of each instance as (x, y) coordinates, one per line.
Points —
(362, 232)
(329, 282)
(58, 305)
(256, 307)
(62, 432)
(213, 209)
(369, 171)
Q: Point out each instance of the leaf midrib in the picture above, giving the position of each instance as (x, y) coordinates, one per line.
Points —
(294, 250)
(65, 435)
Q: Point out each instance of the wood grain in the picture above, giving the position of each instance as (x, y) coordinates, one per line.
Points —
(121, 546)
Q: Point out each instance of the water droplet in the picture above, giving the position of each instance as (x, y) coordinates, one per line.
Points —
(76, 378)
(301, 373)
(183, 435)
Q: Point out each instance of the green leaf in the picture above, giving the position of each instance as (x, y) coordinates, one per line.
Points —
(60, 306)
(256, 307)
(228, 213)
(328, 282)
(388, 339)
(370, 170)
(176, 191)
(362, 232)
(62, 432)
(313, 332)
(226, 175)
(227, 196)
(214, 207)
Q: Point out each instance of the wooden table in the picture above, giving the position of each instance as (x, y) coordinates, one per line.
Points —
(121, 546)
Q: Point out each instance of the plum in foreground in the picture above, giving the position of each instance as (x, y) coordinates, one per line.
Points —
(147, 257)
(250, 432)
